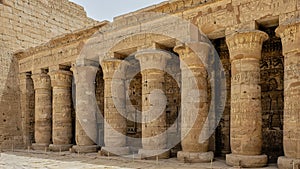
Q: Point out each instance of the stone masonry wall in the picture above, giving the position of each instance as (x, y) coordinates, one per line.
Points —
(272, 72)
(223, 129)
(24, 24)
(100, 102)
(173, 94)
(216, 18)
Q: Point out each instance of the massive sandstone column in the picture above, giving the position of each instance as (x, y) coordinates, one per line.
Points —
(246, 119)
(61, 82)
(154, 135)
(194, 104)
(27, 107)
(290, 36)
(115, 124)
(86, 108)
(42, 128)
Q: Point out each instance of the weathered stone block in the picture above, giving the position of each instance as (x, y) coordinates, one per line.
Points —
(247, 161)
(195, 157)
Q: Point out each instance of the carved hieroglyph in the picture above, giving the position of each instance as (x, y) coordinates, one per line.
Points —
(246, 120)
(43, 107)
(154, 135)
(27, 107)
(115, 123)
(61, 111)
(194, 103)
(290, 35)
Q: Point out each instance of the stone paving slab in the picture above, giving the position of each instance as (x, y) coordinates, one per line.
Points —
(22, 159)
(9, 161)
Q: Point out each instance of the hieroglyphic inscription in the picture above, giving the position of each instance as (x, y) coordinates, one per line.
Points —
(272, 74)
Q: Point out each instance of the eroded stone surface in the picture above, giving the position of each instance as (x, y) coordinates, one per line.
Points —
(194, 102)
(61, 110)
(246, 121)
(27, 108)
(24, 25)
(154, 136)
(290, 42)
(248, 161)
(85, 105)
(216, 18)
(115, 126)
(43, 110)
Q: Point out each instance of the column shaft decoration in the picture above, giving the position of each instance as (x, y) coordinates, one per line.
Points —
(61, 82)
(246, 116)
(115, 124)
(194, 104)
(27, 108)
(290, 37)
(154, 136)
(86, 109)
(43, 111)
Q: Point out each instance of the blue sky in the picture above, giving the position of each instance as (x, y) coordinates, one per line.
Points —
(107, 9)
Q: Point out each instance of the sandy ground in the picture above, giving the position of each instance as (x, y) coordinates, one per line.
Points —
(22, 159)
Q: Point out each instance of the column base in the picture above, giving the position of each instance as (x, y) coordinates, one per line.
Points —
(195, 157)
(247, 161)
(154, 154)
(114, 151)
(86, 149)
(288, 163)
(55, 147)
(40, 146)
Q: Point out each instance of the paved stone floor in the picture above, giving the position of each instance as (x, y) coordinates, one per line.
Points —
(49, 160)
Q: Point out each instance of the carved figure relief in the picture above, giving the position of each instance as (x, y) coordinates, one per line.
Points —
(272, 73)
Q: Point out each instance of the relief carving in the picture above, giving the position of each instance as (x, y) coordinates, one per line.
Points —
(272, 74)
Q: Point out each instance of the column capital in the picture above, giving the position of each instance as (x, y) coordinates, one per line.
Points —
(61, 78)
(86, 62)
(86, 133)
(25, 75)
(193, 54)
(152, 59)
(84, 74)
(23, 79)
(114, 68)
(41, 81)
(289, 34)
(246, 44)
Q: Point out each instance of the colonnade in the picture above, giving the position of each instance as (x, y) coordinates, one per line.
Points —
(53, 122)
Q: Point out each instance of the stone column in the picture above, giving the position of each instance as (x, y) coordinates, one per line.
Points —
(194, 104)
(42, 127)
(61, 82)
(290, 37)
(86, 109)
(115, 124)
(27, 108)
(246, 112)
(154, 135)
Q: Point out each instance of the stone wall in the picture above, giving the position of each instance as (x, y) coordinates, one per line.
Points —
(234, 20)
(100, 102)
(24, 24)
(223, 130)
(173, 94)
(272, 72)
(134, 105)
